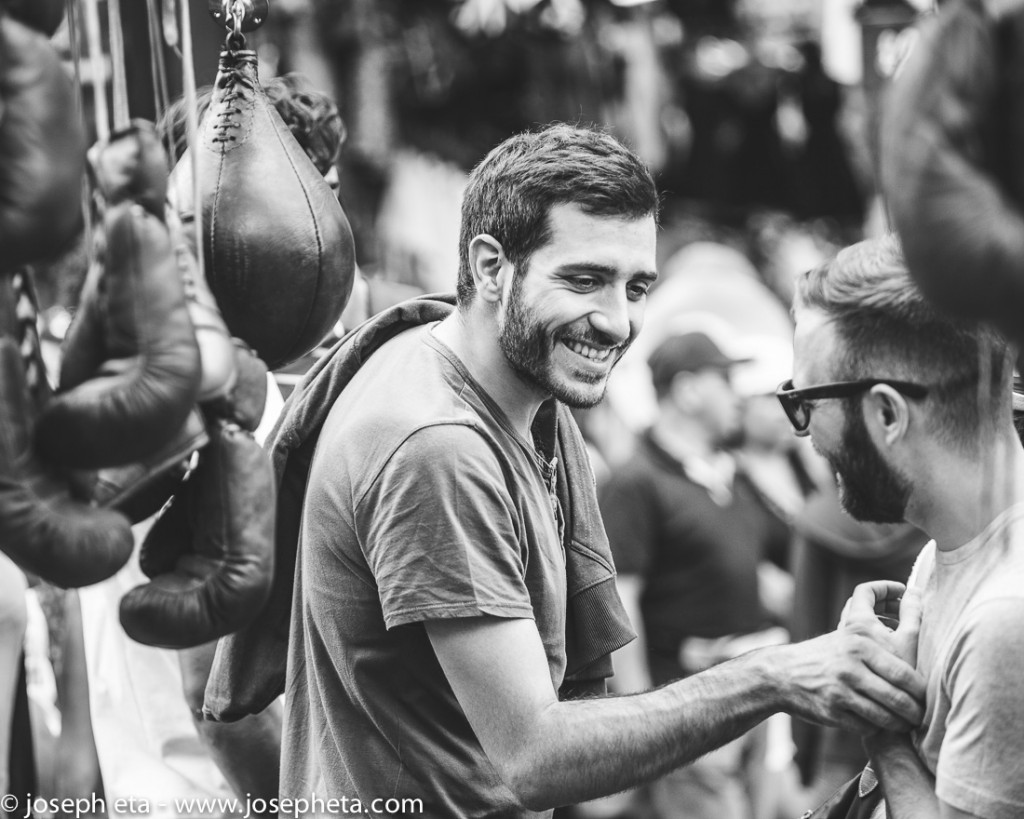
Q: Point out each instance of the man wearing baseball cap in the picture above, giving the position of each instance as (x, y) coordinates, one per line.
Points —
(688, 534)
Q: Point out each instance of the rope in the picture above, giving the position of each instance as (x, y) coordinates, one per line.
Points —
(192, 126)
(122, 116)
(232, 75)
(157, 63)
(75, 42)
(98, 69)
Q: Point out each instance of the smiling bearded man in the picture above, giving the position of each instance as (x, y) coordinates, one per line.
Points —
(454, 592)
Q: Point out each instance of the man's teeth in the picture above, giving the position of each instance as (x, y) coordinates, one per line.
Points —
(587, 351)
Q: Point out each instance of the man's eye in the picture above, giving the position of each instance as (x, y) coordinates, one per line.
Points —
(584, 282)
(638, 291)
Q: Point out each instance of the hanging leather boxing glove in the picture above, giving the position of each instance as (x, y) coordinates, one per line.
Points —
(131, 369)
(42, 148)
(42, 15)
(210, 553)
(952, 168)
(216, 349)
(246, 401)
(42, 528)
(139, 490)
(278, 249)
(131, 165)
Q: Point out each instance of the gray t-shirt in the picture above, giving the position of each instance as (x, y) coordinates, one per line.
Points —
(423, 503)
(971, 652)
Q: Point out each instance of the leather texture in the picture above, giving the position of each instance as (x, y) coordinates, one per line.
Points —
(42, 528)
(278, 249)
(131, 164)
(216, 350)
(42, 148)
(140, 490)
(952, 168)
(131, 370)
(210, 554)
(42, 15)
(246, 401)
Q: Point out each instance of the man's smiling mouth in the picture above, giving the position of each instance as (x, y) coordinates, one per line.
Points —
(595, 354)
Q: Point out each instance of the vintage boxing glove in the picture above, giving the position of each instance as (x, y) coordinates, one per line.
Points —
(216, 349)
(277, 247)
(139, 490)
(131, 164)
(952, 167)
(42, 15)
(42, 528)
(210, 553)
(130, 373)
(42, 148)
(246, 401)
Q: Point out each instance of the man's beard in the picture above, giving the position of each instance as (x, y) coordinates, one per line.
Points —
(869, 488)
(528, 348)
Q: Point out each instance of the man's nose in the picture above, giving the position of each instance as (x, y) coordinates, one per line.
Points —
(613, 316)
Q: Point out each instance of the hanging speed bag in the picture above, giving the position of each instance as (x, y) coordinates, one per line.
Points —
(277, 247)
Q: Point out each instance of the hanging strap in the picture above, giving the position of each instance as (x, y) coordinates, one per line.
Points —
(75, 43)
(192, 126)
(119, 75)
(157, 63)
(98, 69)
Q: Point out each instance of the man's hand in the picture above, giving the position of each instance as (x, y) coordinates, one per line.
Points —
(889, 612)
(852, 679)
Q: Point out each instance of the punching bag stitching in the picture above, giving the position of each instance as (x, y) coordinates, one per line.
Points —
(316, 225)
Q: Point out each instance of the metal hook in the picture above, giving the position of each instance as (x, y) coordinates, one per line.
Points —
(239, 16)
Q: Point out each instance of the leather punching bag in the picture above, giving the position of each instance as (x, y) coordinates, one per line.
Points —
(277, 246)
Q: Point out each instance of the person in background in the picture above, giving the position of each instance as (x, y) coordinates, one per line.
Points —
(689, 535)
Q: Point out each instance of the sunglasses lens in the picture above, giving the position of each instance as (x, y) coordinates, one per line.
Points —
(797, 410)
(801, 415)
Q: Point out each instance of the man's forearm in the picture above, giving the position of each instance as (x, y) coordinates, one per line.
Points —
(552, 753)
(908, 786)
(590, 748)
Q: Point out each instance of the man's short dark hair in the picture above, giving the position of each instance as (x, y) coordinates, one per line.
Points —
(888, 329)
(511, 192)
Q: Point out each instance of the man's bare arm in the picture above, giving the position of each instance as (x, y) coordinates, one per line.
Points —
(908, 786)
(552, 753)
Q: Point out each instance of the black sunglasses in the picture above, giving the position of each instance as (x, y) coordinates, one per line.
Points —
(797, 403)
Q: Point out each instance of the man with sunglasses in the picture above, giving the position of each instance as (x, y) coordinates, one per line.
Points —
(913, 412)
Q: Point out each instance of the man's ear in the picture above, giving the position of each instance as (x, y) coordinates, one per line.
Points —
(887, 413)
(488, 263)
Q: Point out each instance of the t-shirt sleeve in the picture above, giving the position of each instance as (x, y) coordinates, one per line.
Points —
(442, 531)
(625, 502)
(981, 761)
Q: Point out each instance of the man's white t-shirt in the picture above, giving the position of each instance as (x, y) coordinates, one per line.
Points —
(971, 652)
